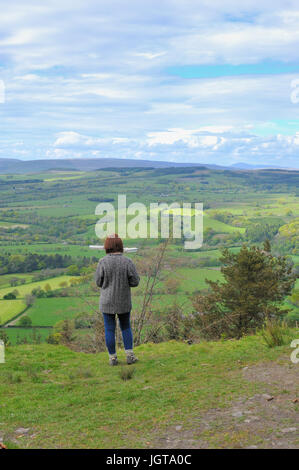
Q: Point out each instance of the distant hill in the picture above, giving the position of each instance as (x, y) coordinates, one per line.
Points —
(248, 166)
(8, 165)
(15, 166)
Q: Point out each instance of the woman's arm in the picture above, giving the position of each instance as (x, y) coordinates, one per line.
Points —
(99, 276)
(133, 276)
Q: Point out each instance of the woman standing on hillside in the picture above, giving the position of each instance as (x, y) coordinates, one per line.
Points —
(115, 275)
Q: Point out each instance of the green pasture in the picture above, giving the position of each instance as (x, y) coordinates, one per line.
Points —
(27, 288)
(162, 302)
(8, 225)
(194, 279)
(220, 227)
(9, 309)
(49, 249)
(16, 333)
(5, 278)
(47, 312)
(64, 176)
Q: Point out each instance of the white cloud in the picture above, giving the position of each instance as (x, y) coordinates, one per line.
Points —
(20, 38)
(68, 138)
(29, 77)
(149, 55)
(95, 74)
(201, 137)
(62, 153)
(198, 146)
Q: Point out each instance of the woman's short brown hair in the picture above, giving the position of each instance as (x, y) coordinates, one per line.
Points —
(113, 244)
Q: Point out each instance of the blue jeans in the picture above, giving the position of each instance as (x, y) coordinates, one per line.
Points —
(125, 326)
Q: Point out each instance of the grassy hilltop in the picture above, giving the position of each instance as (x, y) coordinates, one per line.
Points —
(211, 394)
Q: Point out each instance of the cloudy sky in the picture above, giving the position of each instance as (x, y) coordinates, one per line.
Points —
(178, 80)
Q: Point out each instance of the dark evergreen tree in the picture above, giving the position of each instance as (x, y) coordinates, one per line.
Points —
(255, 285)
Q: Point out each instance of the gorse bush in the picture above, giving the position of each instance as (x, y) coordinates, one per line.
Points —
(171, 323)
(54, 338)
(177, 325)
(275, 333)
(66, 329)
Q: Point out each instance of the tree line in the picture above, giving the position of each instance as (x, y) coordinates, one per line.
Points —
(29, 262)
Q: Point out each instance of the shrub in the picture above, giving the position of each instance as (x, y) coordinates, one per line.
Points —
(29, 300)
(154, 332)
(66, 330)
(172, 285)
(4, 338)
(275, 333)
(54, 338)
(178, 326)
(73, 270)
(25, 321)
(292, 318)
(10, 296)
(83, 321)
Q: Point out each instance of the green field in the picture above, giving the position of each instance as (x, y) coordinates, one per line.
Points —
(4, 224)
(47, 312)
(220, 227)
(5, 278)
(44, 248)
(161, 302)
(9, 309)
(27, 288)
(194, 279)
(17, 333)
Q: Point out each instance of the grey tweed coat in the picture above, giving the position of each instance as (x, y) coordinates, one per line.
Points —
(115, 275)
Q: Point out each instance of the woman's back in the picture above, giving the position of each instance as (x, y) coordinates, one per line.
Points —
(115, 275)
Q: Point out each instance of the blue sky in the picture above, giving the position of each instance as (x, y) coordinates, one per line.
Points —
(177, 80)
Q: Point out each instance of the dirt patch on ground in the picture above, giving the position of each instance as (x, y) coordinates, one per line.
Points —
(266, 420)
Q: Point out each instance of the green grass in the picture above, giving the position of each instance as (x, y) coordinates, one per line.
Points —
(27, 288)
(161, 302)
(51, 248)
(194, 279)
(5, 278)
(9, 309)
(16, 333)
(70, 399)
(4, 224)
(65, 176)
(47, 312)
(220, 227)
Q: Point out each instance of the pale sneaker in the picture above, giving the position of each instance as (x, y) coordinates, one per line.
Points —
(131, 358)
(113, 361)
